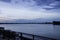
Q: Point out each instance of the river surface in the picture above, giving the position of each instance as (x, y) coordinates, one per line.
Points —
(47, 30)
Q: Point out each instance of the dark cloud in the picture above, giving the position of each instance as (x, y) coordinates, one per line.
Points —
(6, 1)
(57, 0)
(52, 4)
(55, 5)
(43, 2)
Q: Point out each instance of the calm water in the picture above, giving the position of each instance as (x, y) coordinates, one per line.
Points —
(47, 30)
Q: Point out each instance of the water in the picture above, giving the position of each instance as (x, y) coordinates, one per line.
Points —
(47, 30)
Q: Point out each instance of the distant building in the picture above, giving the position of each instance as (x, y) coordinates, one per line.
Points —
(56, 22)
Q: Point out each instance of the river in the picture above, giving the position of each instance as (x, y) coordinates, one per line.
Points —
(47, 30)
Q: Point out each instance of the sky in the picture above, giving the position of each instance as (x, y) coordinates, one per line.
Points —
(29, 9)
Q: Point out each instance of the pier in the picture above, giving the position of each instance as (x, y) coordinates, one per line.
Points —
(12, 35)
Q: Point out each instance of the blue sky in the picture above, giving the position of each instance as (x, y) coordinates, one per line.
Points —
(29, 9)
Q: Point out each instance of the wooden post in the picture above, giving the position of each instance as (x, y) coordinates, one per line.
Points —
(33, 37)
(21, 36)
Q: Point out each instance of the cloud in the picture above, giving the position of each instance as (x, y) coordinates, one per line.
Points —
(6, 1)
(13, 13)
(57, 0)
(45, 4)
(53, 5)
(48, 4)
(27, 10)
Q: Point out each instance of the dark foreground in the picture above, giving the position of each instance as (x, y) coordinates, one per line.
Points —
(12, 35)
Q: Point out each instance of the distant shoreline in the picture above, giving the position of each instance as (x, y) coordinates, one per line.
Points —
(54, 23)
(26, 23)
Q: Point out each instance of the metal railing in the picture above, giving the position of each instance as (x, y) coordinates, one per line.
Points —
(35, 36)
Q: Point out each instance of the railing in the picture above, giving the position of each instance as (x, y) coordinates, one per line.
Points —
(8, 34)
(34, 36)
